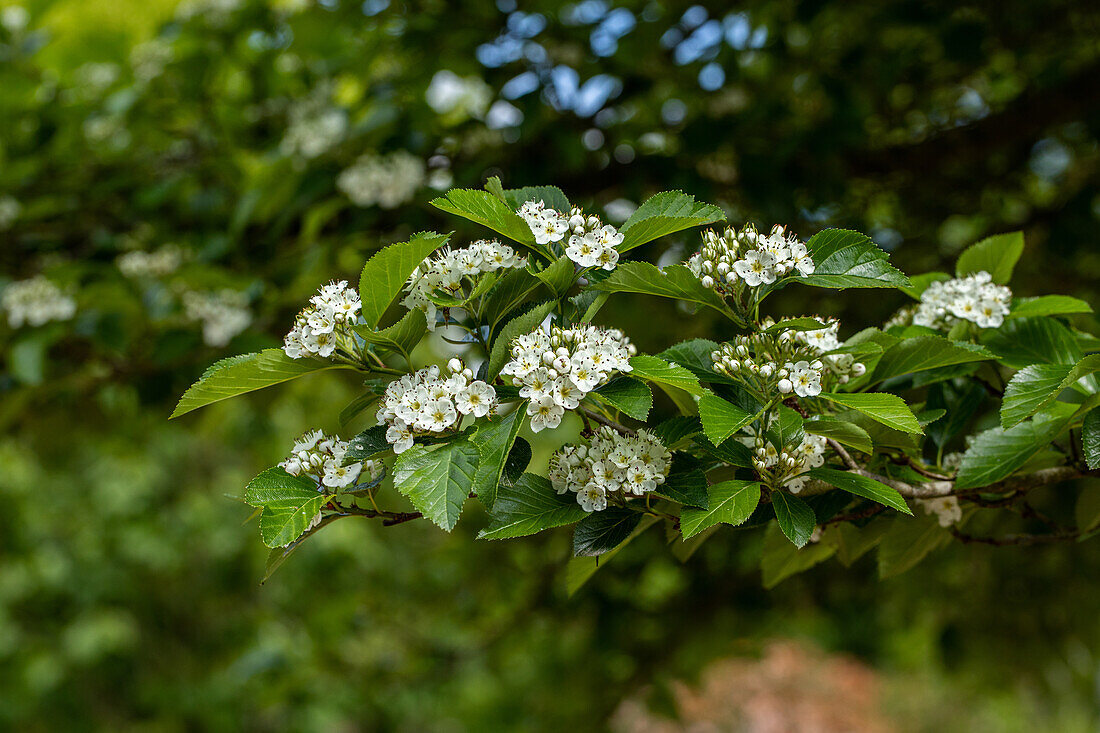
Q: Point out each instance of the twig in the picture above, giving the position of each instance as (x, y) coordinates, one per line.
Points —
(861, 514)
(598, 418)
(844, 455)
(1016, 539)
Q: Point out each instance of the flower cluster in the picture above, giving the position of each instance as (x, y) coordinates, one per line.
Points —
(223, 314)
(556, 370)
(789, 465)
(446, 271)
(313, 127)
(430, 400)
(318, 327)
(727, 259)
(824, 340)
(973, 298)
(139, 264)
(946, 509)
(321, 456)
(386, 181)
(591, 243)
(36, 301)
(613, 464)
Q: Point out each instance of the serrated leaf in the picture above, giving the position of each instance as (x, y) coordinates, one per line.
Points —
(803, 323)
(666, 213)
(602, 532)
(557, 276)
(488, 210)
(507, 294)
(289, 504)
(795, 517)
(656, 369)
(720, 418)
(1036, 386)
(1090, 438)
(675, 281)
(502, 345)
(997, 453)
(732, 451)
(528, 506)
(580, 569)
(437, 479)
(367, 445)
(731, 502)
(780, 559)
(386, 272)
(847, 259)
(926, 352)
(550, 196)
(673, 430)
(859, 485)
(841, 431)
(962, 404)
(246, 373)
(1047, 305)
(694, 355)
(493, 441)
(402, 337)
(996, 255)
(888, 409)
(628, 395)
(686, 482)
(908, 541)
(1025, 341)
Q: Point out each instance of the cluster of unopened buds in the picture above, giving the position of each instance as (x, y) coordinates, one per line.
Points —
(555, 370)
(787, 467)
(448, 270)
(611, 465)
(321, 457)
(591, 243)
(975, 298)
(432, 400)
(325, 323)
(725, 260)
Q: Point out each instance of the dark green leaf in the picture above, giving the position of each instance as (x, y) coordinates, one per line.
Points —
(437, 479)
(1025, 341)
(795, 517)
(1048, 305)
(1090, 438)
(493, 441)
(401, 337)
(731, 502)
(1036, 386)
(528, 506)
(502, 344)
(841, 431)
(859, 485)
(926, 352)
(602, 532)
(367, 444)
(997, 453)
(629, 395)
(686, 482)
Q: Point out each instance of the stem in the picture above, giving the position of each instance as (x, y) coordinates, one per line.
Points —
(598, 418)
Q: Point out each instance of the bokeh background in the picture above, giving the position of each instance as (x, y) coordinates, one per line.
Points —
(248, 150)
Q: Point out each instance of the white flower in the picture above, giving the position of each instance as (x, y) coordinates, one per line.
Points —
(328, 317)
(385, 181)
(337, 476)
(756, 268)
(591, 242)
(476, 399)
(972, 298)
(631, 465)
(400, 435)
(437, 416)
(800, 256)
(946, 509)
(36, 301)
(805, 378)
(544, 413)
(592, 498)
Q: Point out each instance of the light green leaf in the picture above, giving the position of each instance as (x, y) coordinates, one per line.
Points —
(847, 259)
(1090, 438)
(551, 196)
(665, 213)
(493, 441)
(996, 255)
(675, 281)
(529, 506)
(721, 419)
(796, 517)
(289, 504)
(1021, 342)
(1047, 305)
(780, 559)
(695, 356)
(731, 502)
(629, 395)
(859, 485)
(557, 276)
(402, 337)
(997, 453)
(502, 344)
(437, 479)
(926, 352)
(804, 323)
(841, 431)
(920, 283)
(907, 542)
(656, 369)
(888, 409)
(489, 211)
(507, 294)
(385, 274)
(603, 531)
(246, 373)
(1036, 386)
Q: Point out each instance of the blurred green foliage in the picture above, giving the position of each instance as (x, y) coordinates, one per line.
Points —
(129, 592)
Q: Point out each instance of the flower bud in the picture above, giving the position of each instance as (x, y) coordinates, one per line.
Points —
(455, 365)
(785, 386)
(859, 369)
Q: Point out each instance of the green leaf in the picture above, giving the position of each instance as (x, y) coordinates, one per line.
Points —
(686, 482)
(926, 352)
(780, 559)
(787, 430)
(1036, 386)
(859, 485)
(507, 294)
(437, 479)
(367, 444)
(731, 502)
(694, 355)
(673, 430)
(246, 373)
(997, 453)
(551, 196)
(907, 542)
(489, 211)
(888, 409)
(841, 431)
(804, 323)
(1025, 341)
(493, 441)
(356, 406)
(920, 283)
(629, 395)
(502, 345)
(1090, 438)
(665, 213)
(289, 504)
(795, 517)
(996, 255)
(853, 542)
(401, 337)
(602, 532)
(732, 451)
(385, 274)
(581, 569)
(656, 369)
(675, 281)
(1087, 510)
(529, 506)
(519, 458)
(847, 259)
(1047, 305)
(962, 403)
(720, 418)
(557, 276)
